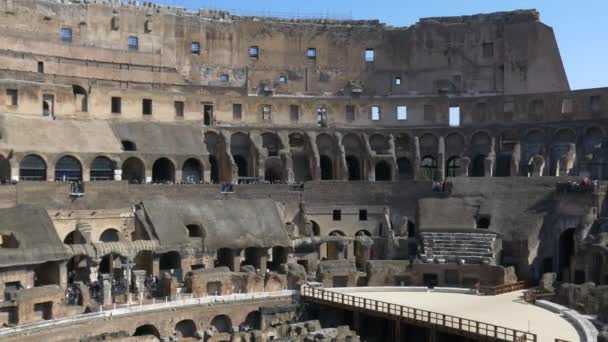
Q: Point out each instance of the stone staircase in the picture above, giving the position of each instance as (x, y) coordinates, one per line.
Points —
(470, 248)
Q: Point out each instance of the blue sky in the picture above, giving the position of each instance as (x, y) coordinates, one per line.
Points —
(581, 26)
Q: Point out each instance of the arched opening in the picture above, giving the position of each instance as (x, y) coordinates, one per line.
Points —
(133, 171)
(147, 330)
(503, 165)
(279, 257)
(272, 144)
(566, 252)
(110, 235)
(68, 169)
(253, 257)
(195, 231)
(185, 329)
(316, 230)
(241, 166)
(32, 168)
(144, 260)
(379, 144)
(428, 166)
(252, 322)
(215, 171)
(301, 167)
(192, 171)
(483, 222)
(80, 98)
(102, 169)
(74, 238)
(274, 170)
(111, 264)
(354, 171)
(170, 261)
(5, 170)
(163, 171)
(452, 167)
(9, 241)
(128, 145)
(334, 248)
(411, 229)
(225, 257)
(327, 172)
(362, 252)
(479, 166)
(222, 324)
(78, 269)
(406, 171)
(383, 171)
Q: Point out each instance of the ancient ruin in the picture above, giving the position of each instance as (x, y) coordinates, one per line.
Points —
(176, 175)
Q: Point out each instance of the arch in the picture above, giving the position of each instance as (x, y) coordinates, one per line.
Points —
(383, 171)
(241, 165)
(327, 172)
(74, 238)
(316, 229)
(185, 329)
(253, 321)
(565, 135)
(80, 98)
(144, 260)
(333, 248)
(133, 170)
(402, 143)
(479, 166)
(593, 137)
(163, 171)
(32, 168)
(225, 257)
(78, 269)
(215, 170)
(351, 143)
(5, 170)
(170, 261)
(354, 170)
(535, 136)
(68, 168)
(481, 138)
(301, 167)
(222, 324)
(147, 330)
(274, 171)
(379, 144)
(566, 251)
(279, 256)
(406, 170)
(452, 167)
(110, 235)
(272, 143)
(192, 171)
(428, 166)
(428, 141)
(195, 231)
(102, 168)
(454, 143)
(128, 145)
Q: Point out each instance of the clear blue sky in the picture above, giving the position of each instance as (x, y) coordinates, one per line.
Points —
(581, 26)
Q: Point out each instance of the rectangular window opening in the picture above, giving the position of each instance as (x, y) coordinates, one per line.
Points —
(254, 52)
(133, 43)
(567, 106)
(116, 105)
(311, 53)
(283, 79)
(488, 50)
(66, 35)
(375, 113)
(397, 80)
(337, 215)
(237, 111)
(195, 48)
(224, 78)
(454, 116)
(146, 106)
(369, 55)
(294, 113)
(13, 96)
(179, 108)
(41, 67)
(362, 215)
(350, 113)
(266, 113)
(401, 113)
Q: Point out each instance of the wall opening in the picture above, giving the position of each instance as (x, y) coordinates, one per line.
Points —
(428, 167)
(192, 172)
(327, 172)
(185, 329)
(207, 114)
(354, 172)
(110, 235)
(479, 167)
(133, 171)
(147, 330)
(566, 252)
(68, 169)
(102, 169)
(222, 324)
(163, 171)
(383, 171)
(405, 168)
(80, 98)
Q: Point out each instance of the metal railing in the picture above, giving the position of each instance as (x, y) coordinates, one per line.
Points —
(500, 289)
(424, 317)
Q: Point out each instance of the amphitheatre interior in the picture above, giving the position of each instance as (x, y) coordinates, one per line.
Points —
(175, 175)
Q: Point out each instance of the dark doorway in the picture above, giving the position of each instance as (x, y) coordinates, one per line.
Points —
(327, 172)
(207, 114)
(383, 172)
(479, 166)
(503, 165)
(354, 171)
(133, 171)
(147, 330)
(215, 172)
(241, 165)
(566, 251)
(68, 169)
(163, 171)
(405, 168)
(192, 172)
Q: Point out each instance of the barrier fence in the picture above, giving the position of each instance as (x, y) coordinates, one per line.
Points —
(419, 316)
(497, 290)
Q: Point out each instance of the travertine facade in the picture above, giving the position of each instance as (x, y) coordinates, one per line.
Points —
(225, 154)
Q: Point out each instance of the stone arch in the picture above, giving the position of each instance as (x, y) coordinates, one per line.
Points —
(379, 143)
(110, 235)
(354, 168)
(327, 168)
(32, 168)
(272, 143)
(68, 168)
(327, 147)
(74, 238)
(333, 248)
(241, 149)
(163, 170)
(185, 329)
(481, 138)
(192, 171)
(403, 143)
(218, 161)
(134, 171)
(147, 330)
(428, 143)
(5, 170)
(274, 170)
(593, 137)
(406, 170)
(102, 168)
(452, 167)
(564, 135)
(454, 144)
(428, 167)
(253, 321)
(144, 260)
(535, 135)
(301, 156)
(383, 171)
(80, 98)
(221, 323)
(195, 230)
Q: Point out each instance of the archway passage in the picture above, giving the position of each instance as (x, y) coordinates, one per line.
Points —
(163, 171)
(5, 170)
(144, 260)
(354, 170)
(406, 170)
(78, 269)
(68, 169)
(479, 166)
(327, 172)
(274, 170)
(215, 171)
(301, 167)
(225, 257)
(185, 329)
(102, 169)
(192, 171)
(222, 324)
(74, 238)
(32, 168)
(566, 252)
(383, 172)
(241, 166)
(109, 235)
(279, 257)
(147, 330)
(253, 321)
(452, 167)
(133, 171)
(503, 165)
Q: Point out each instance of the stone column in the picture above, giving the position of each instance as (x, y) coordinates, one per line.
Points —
(179, 174)
(106, 290)
(94, 270)
(128, 265)
(515, 160)
(63, 274)
(236, 261)
(490, 160)
(316, 164)
(441, 159)
(138, 279)
(148, 173)
(416, 158)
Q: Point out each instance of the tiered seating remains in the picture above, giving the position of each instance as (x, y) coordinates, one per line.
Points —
(470, 248)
